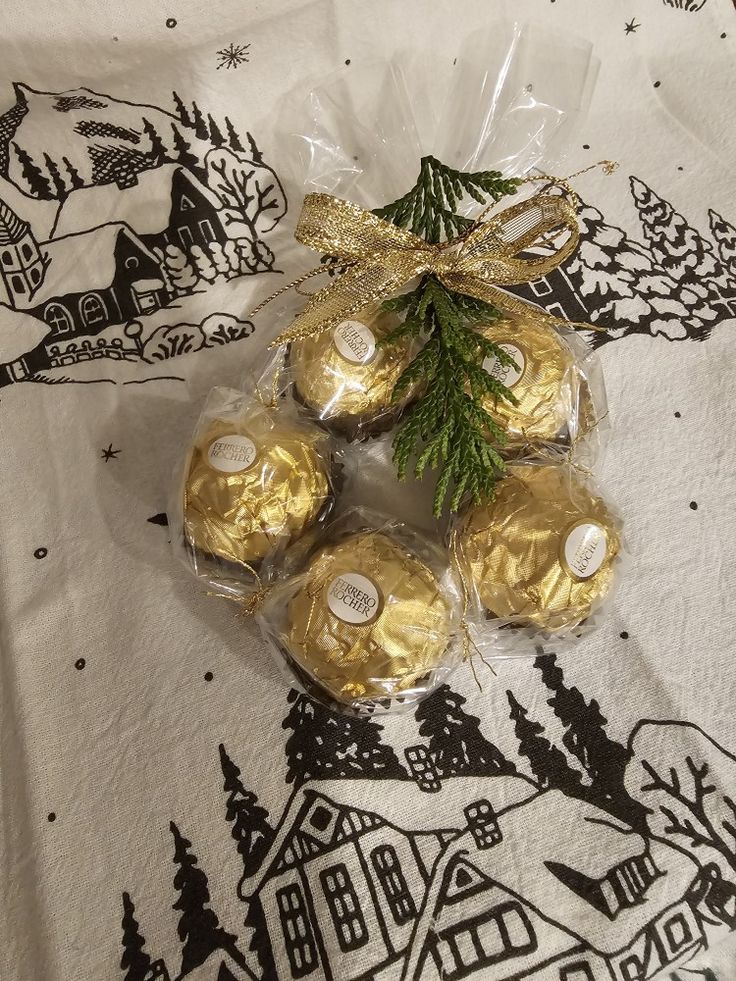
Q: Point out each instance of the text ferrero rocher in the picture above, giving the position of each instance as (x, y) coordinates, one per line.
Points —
(543, 551)
(347, 379)
(370, 619)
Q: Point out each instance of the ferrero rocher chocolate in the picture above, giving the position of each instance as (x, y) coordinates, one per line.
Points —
(544, 550)
(346, 379)
(544, 382)
(252, 485)
(370, 620)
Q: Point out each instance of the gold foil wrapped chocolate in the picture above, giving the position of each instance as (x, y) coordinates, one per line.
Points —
(545, 383)
(253, 483)
(347, 379)
(543, 552)
(370, 620)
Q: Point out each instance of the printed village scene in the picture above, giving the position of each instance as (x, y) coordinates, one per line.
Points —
(112, 216)
(115, 220)
(381, 867)
(115, 216)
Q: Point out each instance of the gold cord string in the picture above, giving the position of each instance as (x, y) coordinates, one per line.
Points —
(377, 258)
(296, 283)
(468, 641)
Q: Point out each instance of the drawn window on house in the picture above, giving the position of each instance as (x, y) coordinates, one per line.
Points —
(7, 258)
(632, 969)
(19, 285)
(388, 869)
(677, 932)
(35, 275)
(580, 971)
(58, 318)
(132, 262)
(185, 236)
(185, 204)
(93, 310)
(26, 251)
(501, 932)
(342, 901)
(298, 937)
(206, 228)
(541, 287)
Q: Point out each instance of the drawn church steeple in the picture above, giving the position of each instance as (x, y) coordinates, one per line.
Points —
(21, 262)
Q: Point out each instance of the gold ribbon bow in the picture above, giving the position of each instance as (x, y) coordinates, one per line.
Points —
(381, 258)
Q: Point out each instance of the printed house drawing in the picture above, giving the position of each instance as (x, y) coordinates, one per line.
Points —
(556, 294)
(99, 267)
(352, 888)
(77, 284)
(168, 205)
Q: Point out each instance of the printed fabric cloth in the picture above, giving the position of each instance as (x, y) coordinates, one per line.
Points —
(170, 808)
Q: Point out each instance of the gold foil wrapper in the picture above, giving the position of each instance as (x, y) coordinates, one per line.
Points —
(252, 485)
(545, 384)
(346, 379)
(370, 620)
(543, 551)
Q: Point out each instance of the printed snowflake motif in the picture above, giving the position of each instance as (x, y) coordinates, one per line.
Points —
(233, 56)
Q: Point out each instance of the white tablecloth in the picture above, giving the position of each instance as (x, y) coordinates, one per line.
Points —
(165, 799)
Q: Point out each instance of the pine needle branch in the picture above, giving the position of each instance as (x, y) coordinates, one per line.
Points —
(448, 428)
(429, 209)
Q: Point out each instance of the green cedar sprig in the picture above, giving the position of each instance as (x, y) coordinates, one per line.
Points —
(430, 207)
(447, 427)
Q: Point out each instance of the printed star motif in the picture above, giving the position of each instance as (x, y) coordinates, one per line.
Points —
(109, 453)
(233, 56)
(632, 26)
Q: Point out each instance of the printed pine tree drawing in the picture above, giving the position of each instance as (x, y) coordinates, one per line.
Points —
(603, 759)
(135, 960)
(199, 928)
(456, 743)
(610, 861)
(724, 236)
(548, 764)
(170, 205)
(676, 284)
(324, 744)
(250, 826)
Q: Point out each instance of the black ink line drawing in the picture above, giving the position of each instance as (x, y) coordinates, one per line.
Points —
(679, 285)
(233, 56)
(691, 5)
(147, 210)
(609, 861)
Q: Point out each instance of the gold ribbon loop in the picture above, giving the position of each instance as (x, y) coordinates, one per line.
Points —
(381, 258)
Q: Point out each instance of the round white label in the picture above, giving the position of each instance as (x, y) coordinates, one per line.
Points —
(506, 373)
(231, 454)
(354, 341)
(354, 598)
(585, 549)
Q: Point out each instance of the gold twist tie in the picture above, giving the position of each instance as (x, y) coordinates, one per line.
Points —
(380, 258)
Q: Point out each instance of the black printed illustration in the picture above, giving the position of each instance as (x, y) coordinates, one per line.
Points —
(580, 861)
(233, 56)
(677, 284)
(692, 5)
(113, 218)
